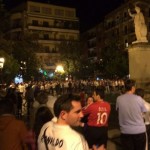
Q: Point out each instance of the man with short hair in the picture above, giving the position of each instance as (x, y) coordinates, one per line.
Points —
(130, 108)
(59, 135)
(97, 123)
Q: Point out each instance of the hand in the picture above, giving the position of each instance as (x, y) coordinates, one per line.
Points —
(99, 148)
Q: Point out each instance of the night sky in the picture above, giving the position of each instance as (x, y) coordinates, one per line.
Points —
(90, 12)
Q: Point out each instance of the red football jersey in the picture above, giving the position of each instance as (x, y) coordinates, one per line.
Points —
(98, 113)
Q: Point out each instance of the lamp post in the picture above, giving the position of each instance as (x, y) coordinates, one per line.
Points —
(59, 70)
(2, 60)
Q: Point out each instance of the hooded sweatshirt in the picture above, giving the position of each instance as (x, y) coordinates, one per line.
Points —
(12, 133)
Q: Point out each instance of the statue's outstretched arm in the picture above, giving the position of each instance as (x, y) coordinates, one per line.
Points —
(130, 14)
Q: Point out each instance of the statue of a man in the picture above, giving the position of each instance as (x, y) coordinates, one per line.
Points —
(140, 26)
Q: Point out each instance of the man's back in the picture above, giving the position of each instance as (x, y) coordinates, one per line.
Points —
(60, 137)
(98, 113)
(130, 109)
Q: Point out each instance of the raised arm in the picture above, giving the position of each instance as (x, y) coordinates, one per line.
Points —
(130, 14)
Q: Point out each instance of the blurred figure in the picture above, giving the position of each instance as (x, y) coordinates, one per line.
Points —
(40, 101)
(42, 116)
(89, 100)
(12, 131)
(97, 122)
(84, 120)
(140, 92)
(19, 105)
(130, 108)
(29, 96)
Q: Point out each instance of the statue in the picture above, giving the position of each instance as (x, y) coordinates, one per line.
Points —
(140, 26)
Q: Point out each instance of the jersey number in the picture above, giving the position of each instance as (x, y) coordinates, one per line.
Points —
(102, 118)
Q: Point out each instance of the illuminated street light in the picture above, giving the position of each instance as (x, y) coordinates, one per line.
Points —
(59, 69)
(2, 60)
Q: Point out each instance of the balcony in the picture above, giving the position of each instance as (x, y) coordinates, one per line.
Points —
(54, 26)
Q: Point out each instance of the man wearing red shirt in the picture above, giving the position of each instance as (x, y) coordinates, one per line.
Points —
(98, 115)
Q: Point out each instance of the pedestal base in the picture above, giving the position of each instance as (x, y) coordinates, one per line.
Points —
(139, 64)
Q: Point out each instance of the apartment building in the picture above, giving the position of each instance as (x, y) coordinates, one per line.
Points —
(116, 25)
(50, 24)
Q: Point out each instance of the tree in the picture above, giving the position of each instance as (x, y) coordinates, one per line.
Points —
(10, 69)
(70, 55)
(25, 50)
(115, 60)
(6, 45)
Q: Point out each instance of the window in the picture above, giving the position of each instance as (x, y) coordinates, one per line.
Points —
(117, 19)
(69, 13)
(45, 24)
(35, 35)
(126, 43)
(35, 22)
(117, 31)
(62, 36)
(46, 37)
(35, 9)
(125, 30)
(46, 10)
(125, 14)
(46, 48)
(71, 37)
(59, 12)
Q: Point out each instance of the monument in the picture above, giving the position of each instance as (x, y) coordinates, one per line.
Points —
(139, 52)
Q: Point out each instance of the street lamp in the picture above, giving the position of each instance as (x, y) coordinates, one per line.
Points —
(2, 60)
(59, 70)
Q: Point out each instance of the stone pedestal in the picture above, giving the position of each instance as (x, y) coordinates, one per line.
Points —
(139, 64)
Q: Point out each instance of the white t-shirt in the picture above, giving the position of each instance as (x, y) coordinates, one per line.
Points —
(60, 137)
(147, 114)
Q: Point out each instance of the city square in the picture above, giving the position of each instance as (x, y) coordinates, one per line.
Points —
(52, 51)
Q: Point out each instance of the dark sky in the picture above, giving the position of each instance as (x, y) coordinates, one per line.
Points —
(90, 12)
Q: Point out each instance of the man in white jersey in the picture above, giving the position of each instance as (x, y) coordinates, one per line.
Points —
(59, 135)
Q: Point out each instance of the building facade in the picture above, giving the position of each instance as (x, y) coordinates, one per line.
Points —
(116, 25)
(49, 24)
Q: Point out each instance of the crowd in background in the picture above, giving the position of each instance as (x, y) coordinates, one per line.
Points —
(47, 99)
(23, 94)
(75, 86)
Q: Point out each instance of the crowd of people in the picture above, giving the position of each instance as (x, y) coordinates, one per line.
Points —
(56, 109)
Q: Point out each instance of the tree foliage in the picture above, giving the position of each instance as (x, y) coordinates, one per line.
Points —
(11, 67)
(115, 60)
(70, 55)
(24, 50)
(6, 45)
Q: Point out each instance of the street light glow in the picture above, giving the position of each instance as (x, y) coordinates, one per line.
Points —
(2, 60)
(59, 69)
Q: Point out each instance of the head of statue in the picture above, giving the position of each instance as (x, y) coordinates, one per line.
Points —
(137, 9)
